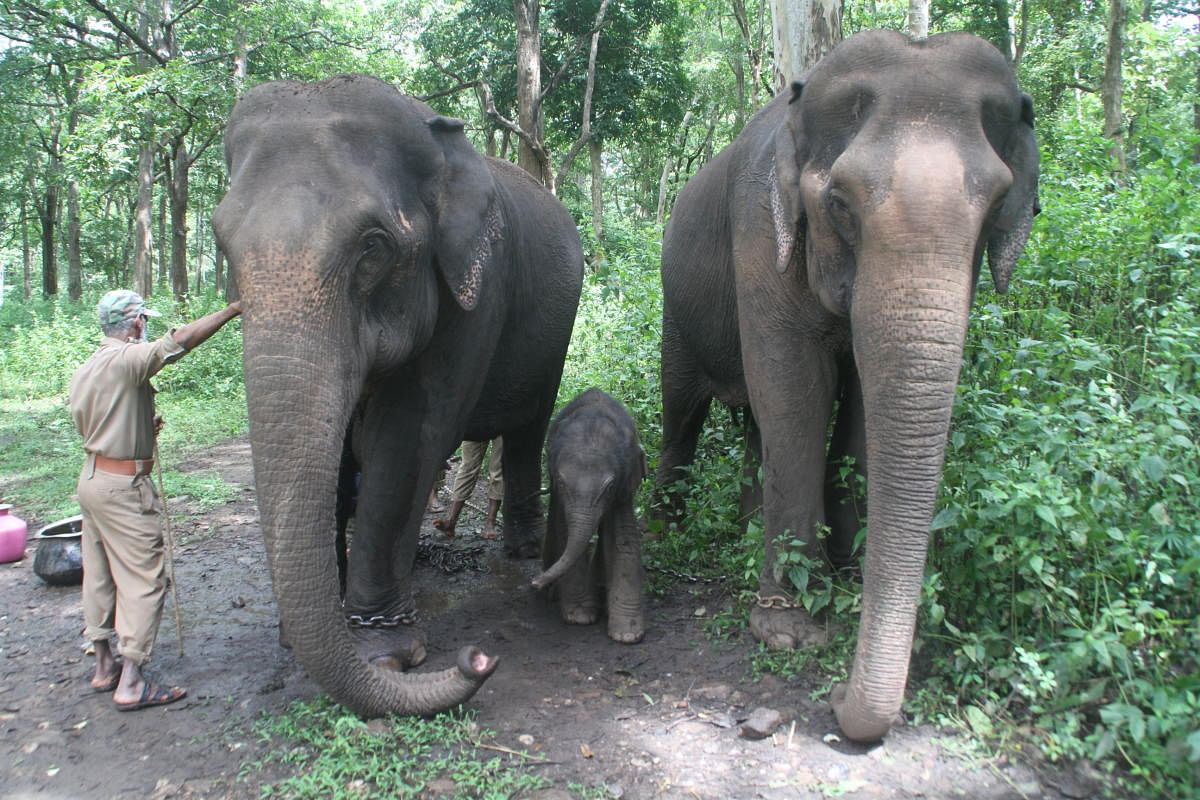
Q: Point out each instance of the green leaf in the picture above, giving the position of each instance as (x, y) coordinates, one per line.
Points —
(1153, 466)
(978, 721)
(1046, 514)
(944, 518)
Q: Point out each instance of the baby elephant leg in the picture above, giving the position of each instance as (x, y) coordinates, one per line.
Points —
(622, 545)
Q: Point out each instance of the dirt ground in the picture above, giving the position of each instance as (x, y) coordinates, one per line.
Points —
(658, 719)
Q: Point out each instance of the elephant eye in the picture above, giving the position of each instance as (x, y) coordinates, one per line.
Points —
(376, 256)
(842, 217)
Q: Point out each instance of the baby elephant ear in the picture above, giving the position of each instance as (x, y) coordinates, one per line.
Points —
(787, 211)
(1015, 220)
(468, 218)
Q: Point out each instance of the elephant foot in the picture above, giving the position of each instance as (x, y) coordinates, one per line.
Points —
(517, 546)
(395, 649)
(626, 631)
(785, 628)
(580, 614)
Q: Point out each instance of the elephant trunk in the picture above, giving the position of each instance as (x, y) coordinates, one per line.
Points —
(581, 525)
(908, 338)
(299, 409)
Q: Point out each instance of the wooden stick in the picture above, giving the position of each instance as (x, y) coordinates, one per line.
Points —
(169, 538)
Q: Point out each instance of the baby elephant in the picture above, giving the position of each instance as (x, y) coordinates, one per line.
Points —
(596, 465)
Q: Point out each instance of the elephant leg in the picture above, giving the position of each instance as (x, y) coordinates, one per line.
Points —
(686, 400)
(751, 498)
(399, 465)
(621, 545)
(524, 523)
(845, 503)
(792, 408)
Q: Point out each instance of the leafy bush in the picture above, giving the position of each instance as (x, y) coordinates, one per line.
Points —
(1062, 584)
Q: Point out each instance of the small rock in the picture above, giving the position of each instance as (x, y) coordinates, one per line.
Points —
(640, 763)
(615, 790)
(441, 787)
(700, 612)
(837, 773)
(526, 739)
(714, 691)
(239, 602)
(544, 794)
(761, 724)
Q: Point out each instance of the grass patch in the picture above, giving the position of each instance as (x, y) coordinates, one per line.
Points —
(333, 754)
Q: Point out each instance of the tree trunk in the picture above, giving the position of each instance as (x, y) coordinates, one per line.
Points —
(804, 30)
(74, 259)
(161, 242)
(48, 214)
(918, 19)
(669, 161)
(1023, 39)
(143, 257)
(1112, 86)
(177, 183)
(597, 148)
(1196, 114)
(585, 127)
(26, 255)
(529, 90)
(198, 256)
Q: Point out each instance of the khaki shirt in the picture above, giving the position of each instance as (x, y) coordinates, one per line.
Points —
(112, 401)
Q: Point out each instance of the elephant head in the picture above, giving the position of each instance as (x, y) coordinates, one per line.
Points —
(900, 163)
(355, 220)
(596, 464)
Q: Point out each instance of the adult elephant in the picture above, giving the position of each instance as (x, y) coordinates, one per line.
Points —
(396, 283)
(828, 258)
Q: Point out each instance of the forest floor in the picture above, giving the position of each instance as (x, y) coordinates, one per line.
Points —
(657, 719)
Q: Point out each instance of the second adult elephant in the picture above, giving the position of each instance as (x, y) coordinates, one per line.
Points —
(828, 258)
(400, 285)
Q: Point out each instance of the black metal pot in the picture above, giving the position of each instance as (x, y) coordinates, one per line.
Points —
(59, 559)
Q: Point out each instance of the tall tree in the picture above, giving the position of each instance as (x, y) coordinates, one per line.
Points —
(1112, 86)
(804, 30)
(531, 150)
(918, 18)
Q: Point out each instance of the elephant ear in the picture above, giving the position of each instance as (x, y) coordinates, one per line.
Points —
(468, 218)
(1015, 219)
(787, 210)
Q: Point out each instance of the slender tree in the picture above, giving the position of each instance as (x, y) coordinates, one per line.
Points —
(804, 30)
(1113, 85)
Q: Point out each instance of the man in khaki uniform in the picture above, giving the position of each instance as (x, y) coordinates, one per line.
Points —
(112, 403)
(464, 485)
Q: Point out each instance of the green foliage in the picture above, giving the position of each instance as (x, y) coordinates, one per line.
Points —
(330, 753)
(1062, 580)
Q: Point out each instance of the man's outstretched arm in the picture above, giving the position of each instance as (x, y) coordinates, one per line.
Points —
(195, 333)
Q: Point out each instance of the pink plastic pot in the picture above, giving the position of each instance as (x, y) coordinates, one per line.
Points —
(12, 536)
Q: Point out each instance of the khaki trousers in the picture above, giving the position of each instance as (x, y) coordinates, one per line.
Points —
(468, 471)
(123, 566)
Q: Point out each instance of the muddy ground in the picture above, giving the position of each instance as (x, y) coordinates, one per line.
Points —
(658, 719)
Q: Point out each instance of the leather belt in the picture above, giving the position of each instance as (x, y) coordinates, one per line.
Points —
(124, 466)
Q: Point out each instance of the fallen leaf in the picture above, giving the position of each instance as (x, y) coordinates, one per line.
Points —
(586, 751)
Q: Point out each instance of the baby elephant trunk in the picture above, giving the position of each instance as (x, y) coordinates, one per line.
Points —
(580, 527)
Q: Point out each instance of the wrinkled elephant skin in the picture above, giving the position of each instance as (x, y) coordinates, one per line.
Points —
(828, 259)
(596, 466)
(398, 285)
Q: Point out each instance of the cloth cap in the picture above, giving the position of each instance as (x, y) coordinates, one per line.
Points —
(122, 304)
